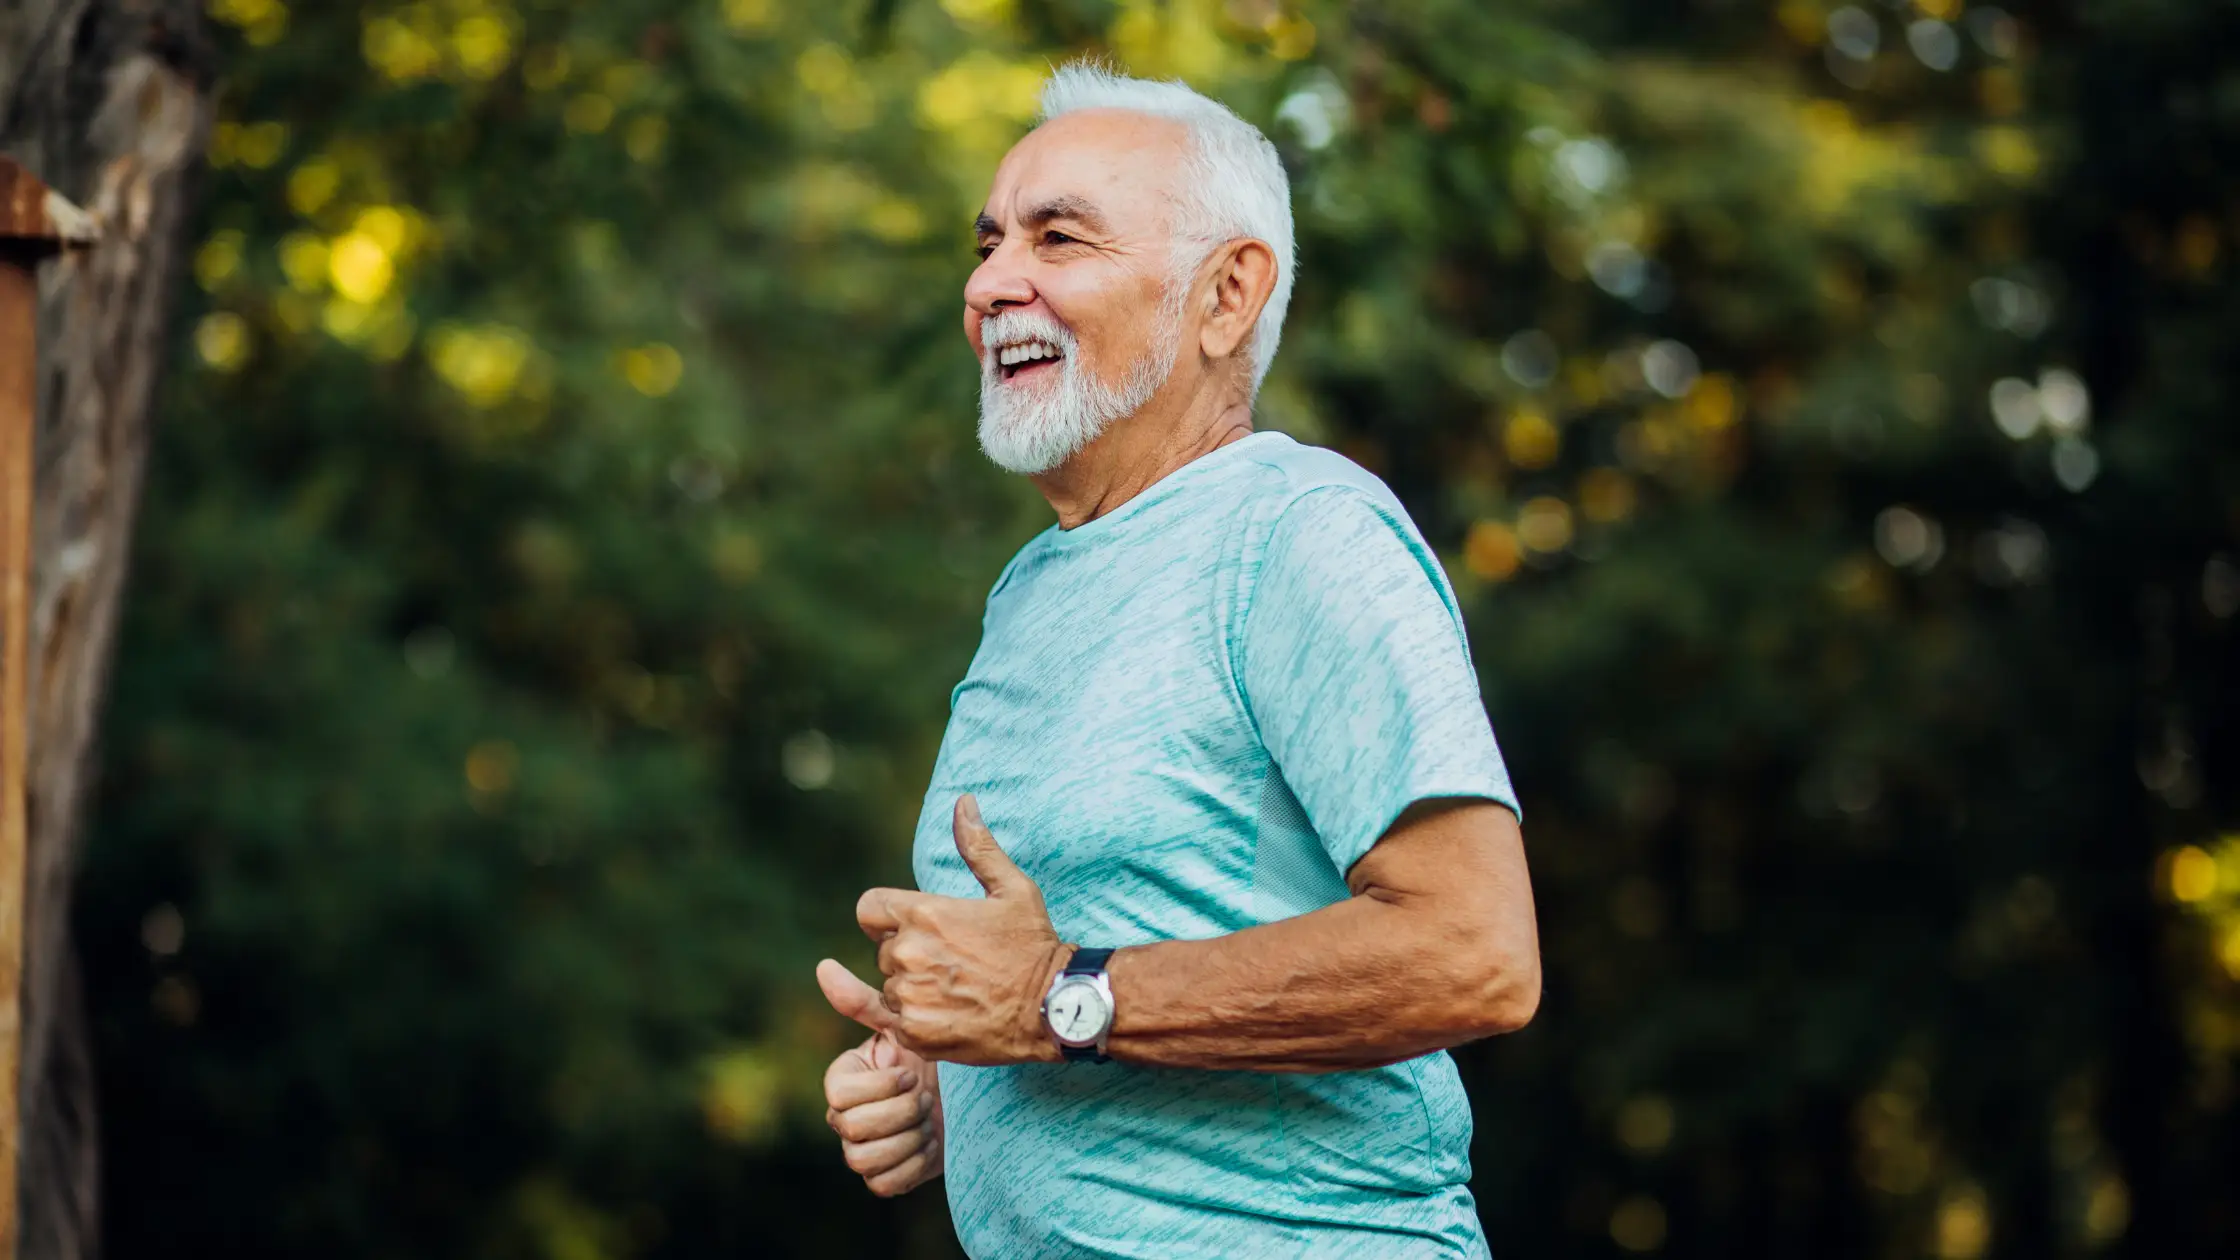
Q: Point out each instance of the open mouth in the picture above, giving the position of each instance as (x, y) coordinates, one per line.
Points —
(1026, 358)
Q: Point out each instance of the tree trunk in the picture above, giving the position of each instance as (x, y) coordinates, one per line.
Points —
(108, 101)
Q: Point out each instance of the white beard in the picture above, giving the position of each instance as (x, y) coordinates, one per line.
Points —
(1035, 426)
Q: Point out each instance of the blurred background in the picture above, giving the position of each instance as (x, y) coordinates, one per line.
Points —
(565, 525)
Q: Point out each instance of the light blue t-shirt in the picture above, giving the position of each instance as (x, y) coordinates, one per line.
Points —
(1187, 717)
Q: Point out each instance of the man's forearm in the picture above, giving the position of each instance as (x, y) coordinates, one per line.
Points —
(1352, 985)
(1374, 979)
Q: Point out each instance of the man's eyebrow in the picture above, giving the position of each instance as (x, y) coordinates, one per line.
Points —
(1080, 209)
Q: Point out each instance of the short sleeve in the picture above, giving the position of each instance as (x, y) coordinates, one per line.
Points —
(1355, 669)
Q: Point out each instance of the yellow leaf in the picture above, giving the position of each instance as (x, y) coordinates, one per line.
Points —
(222, 339)
(482, 46)
(1544, 524)
(303, 258)
(484, 364)
(645, 138)
(258, 145)
(359, 267)
(1490, 551)
(979, 12)
(313, 184)
(1606, 495)
(740, 1095)
(218, 259)
(588, 114)
(750, 15)
(1530, 440)
(1963, 1226)
(2009, 151)
(2193, 874)
(652, 370)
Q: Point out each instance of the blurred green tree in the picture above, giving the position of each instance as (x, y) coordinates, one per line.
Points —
(569, 526)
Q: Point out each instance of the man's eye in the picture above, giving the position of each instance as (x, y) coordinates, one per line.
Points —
(983, 250)
(1056, 238)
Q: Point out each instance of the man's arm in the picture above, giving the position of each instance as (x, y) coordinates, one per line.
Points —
(1436, 947)
(1353, 665)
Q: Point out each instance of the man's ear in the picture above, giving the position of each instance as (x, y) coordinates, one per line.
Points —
(1242, 274)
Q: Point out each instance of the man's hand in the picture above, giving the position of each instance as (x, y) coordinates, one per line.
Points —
(966, 975)
(883, 1101)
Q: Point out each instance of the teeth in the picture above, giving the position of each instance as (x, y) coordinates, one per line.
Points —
(1025, 352)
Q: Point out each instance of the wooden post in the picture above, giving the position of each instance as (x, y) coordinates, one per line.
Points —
(35, 224)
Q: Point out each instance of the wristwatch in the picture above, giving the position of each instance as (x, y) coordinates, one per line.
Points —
(1078, 1008)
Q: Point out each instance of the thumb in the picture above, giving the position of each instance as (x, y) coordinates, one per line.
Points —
(977, 845)
(852, 997)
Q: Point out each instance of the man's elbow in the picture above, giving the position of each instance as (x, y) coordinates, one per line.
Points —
(1506, 990)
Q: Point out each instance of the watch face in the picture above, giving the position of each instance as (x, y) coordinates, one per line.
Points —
(1077, 1012)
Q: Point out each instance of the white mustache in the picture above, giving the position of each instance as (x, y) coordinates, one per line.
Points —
(1009, 327)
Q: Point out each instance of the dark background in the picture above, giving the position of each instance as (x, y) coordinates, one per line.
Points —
(565, 526)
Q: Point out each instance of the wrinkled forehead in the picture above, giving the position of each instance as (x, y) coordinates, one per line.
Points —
(1120, 163)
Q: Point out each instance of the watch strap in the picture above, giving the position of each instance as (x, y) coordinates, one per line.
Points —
(1085, 962)
(1088, 962)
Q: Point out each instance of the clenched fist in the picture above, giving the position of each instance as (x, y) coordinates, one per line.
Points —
(883, 1101)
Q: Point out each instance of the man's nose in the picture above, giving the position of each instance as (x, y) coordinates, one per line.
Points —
(998, 283)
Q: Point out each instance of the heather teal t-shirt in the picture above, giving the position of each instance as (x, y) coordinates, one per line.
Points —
(1187, 717)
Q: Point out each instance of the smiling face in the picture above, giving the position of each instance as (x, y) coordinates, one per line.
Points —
(1075, 309)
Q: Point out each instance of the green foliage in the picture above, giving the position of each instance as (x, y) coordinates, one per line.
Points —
(566, 526)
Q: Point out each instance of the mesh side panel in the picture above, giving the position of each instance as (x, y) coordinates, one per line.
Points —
(1291, 872)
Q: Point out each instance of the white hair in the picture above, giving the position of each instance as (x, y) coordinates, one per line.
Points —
(1235, 186)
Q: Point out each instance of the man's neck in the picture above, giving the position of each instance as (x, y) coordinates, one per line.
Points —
(1134, 453)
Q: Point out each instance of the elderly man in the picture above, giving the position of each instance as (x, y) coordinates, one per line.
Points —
(1219, 854)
